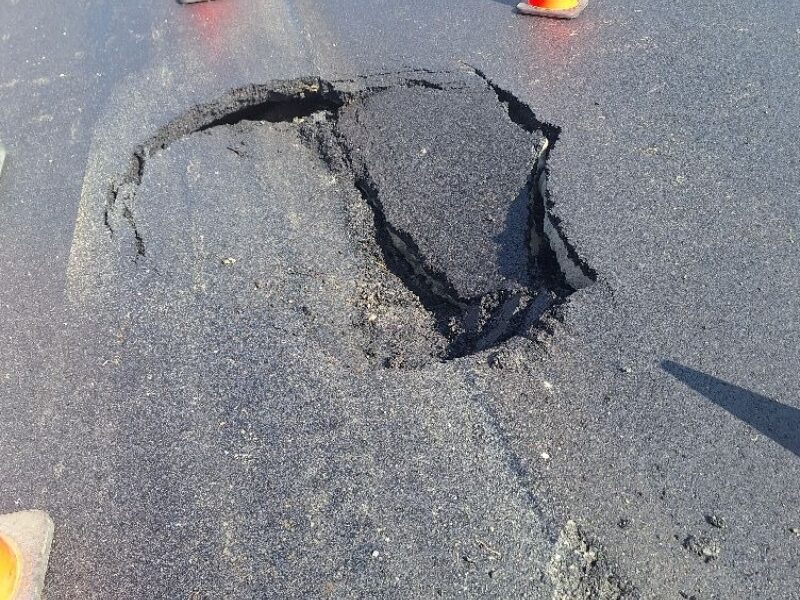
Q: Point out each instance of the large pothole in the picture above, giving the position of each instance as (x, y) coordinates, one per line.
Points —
(451, 171)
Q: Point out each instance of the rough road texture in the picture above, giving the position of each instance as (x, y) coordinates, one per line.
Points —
(667, 401)
(276, 455)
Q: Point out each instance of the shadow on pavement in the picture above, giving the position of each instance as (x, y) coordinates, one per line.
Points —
(777, 421)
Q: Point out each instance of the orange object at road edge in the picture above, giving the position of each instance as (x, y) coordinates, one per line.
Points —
(10, 568)
(556, 9)
(554, 4)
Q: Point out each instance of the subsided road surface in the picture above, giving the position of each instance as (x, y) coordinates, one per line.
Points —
(216, 418)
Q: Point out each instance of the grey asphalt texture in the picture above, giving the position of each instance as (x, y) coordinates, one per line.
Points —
(209, 421)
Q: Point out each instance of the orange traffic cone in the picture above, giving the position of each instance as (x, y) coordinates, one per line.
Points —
(25, 539)
(9, 568)
(559, 9)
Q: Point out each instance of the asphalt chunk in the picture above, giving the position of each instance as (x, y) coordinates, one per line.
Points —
(705, 547)
(427, 151)
(455, 174)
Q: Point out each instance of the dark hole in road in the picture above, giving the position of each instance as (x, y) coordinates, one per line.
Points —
(454, 171)
(281, 111)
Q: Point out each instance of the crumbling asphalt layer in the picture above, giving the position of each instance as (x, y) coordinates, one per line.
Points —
(484, 278)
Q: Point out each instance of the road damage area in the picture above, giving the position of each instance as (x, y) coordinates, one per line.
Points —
(451, 171)
(329, 289)
(241, 355)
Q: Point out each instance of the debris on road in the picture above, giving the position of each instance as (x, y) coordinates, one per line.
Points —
(504, 359)
(2, 157)
(716, 521)
(704, 547)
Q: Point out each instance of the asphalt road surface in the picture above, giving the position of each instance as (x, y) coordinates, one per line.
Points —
(301, 300)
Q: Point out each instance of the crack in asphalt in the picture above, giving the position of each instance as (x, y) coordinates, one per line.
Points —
(472, 324)
(546, 225)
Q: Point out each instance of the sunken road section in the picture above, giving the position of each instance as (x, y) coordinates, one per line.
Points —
(454, 171)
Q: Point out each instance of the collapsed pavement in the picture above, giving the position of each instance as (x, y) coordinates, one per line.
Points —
(479, 251)
(652, 179)
(314, 399)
